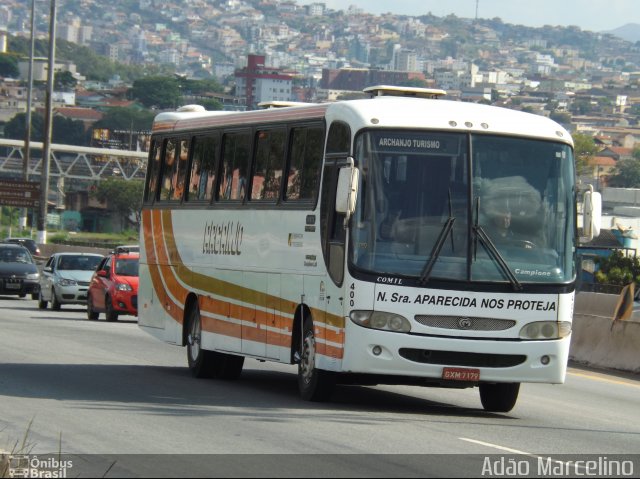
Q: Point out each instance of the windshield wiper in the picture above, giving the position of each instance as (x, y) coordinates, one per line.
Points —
(437, 248)
(482, 235)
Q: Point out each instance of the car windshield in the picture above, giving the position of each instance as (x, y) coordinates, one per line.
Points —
(436, 205)
(78, 263)
(127, 267)
(15, 255)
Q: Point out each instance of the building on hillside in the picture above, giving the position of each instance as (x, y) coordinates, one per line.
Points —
(87, 116)
(357, 79)
(258, 83)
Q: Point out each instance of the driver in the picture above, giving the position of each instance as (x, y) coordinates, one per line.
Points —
(501, 224)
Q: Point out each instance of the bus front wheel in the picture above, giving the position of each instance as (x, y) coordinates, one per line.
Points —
(499, 397)
(314, 384)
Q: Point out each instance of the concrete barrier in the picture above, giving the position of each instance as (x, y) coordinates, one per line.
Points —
(600, 342)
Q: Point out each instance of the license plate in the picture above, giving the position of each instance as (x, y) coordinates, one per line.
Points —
(12, 285)
(461, 374)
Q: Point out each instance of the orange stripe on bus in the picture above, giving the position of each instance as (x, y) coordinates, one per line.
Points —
(161, 240)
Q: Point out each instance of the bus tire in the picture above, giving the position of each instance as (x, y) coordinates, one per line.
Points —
(499, 397)
(201, 362)
(227, 366)
(314, 384)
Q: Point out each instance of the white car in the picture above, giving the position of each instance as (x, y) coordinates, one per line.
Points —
(65, 279)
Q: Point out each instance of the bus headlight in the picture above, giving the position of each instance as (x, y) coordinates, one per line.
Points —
(381, 320)
(542, 330)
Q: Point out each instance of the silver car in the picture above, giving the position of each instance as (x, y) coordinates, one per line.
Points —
(65, 279)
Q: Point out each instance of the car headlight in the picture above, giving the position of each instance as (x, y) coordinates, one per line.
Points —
(542, 330)
(381, 320)
(123, 287)
(33, 276)
(67, 282)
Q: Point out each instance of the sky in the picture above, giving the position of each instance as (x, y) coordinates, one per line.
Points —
(594, 15)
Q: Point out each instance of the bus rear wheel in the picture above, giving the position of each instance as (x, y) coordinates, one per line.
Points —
(227, 366)
(201, 362)
(499, 397)
(314, 384)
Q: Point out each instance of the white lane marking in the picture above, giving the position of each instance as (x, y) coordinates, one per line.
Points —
(496, 446)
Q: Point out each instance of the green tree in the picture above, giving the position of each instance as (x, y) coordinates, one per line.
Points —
(584, 149)
(626, 174)
(64, 130)
(212, 105)
(9, 66)
(64, 81)
(123, 197)
(126, 119)
(157, 92)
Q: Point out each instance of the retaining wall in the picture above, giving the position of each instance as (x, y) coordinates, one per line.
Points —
(598, 341)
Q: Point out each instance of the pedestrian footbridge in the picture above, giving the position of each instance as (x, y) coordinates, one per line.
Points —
(72, 162)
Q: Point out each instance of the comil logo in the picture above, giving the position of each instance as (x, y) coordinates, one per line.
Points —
(464, 323)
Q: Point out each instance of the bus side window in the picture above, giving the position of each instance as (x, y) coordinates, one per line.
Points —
(306, 160)
(267, 174)
(203, 173)
(154, 171)
(168, 169)
(339, 139)
(180, 172)
(235, 166)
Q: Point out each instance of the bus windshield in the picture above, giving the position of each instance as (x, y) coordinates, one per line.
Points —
(465, 207)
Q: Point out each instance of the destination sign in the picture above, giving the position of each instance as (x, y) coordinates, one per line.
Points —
(419, 143)
(19, 193)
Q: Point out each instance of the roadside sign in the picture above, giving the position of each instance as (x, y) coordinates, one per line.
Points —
(19, 193)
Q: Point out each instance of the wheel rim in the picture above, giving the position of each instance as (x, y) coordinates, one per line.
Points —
(307, 363)
(194, 338)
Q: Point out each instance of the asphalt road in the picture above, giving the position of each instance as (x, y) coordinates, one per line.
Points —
(125, 404)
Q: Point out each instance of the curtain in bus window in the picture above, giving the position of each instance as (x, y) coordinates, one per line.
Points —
(267, 174)
(522, 189)
(306, 159)
(412, 185)
(235, 166)
(181, 171)
(205, 155)
(154, 170)
(168, 170)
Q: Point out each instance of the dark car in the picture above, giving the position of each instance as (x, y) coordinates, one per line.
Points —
(18, 272)
(28, 243)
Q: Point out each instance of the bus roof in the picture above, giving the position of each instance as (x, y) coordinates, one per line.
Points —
(382, 112)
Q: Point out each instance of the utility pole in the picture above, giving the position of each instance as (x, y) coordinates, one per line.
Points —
(48, 120)
(26, 154)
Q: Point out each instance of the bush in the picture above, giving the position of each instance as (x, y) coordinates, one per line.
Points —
(618, 269)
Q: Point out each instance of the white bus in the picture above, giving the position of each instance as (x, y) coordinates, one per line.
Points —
(398, 239)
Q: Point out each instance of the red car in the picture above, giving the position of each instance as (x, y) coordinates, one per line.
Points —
(114, 286)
